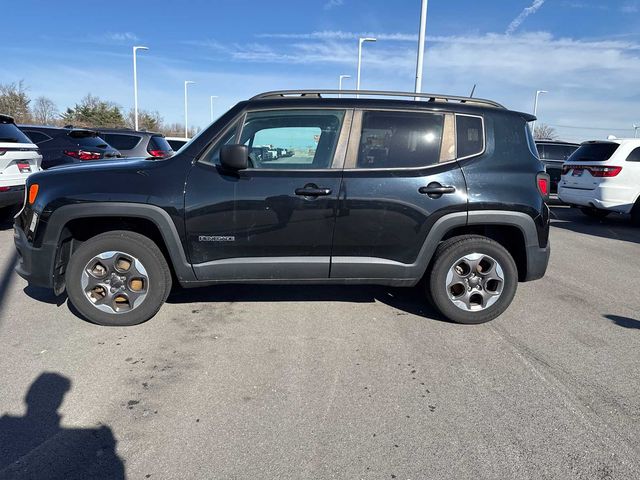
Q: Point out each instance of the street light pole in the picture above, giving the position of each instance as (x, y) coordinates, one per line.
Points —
(212, 97)
(360, 42)
(186, 109)
(340, 83)
(635, 130)
(135, 84)
(421, 40)
(535, 108)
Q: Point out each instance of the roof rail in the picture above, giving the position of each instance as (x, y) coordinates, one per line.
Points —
(431, 97)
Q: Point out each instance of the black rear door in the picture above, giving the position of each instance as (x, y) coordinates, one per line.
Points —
(400, 176)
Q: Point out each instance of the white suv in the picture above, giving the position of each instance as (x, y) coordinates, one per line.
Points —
(603, 177)
(19, 158)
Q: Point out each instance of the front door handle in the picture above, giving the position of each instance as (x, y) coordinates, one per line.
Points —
(435, 190)
(313, 191)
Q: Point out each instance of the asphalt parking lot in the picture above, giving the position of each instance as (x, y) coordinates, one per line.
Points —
(335, 382)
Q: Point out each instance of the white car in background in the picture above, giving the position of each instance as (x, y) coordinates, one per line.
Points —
(603, 177)
(19, 158)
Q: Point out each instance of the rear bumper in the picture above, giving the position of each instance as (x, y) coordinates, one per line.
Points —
(603, 197)
(35, 265)
(537, 262)
(14, 196)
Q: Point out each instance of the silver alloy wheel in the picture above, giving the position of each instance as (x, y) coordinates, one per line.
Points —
(475, 282)
(115, 282)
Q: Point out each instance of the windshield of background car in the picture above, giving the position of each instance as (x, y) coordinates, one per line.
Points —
(556, 152)
(120, 141)
(91, 141)
(11, 134)
(594, 152)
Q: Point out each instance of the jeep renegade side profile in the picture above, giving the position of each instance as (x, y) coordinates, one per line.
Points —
(301, 187)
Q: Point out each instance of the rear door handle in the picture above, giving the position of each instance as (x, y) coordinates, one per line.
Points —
(435, 190)
(313, 191)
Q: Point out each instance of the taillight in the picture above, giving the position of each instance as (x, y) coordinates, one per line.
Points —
(5, 189)
(604, 171)
(598, 171)
(82, 154)
(543, 180)
(158, 153)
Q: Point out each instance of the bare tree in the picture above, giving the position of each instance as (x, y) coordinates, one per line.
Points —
(14, 101)
(177, 130)
(44, 111)
(544, 132)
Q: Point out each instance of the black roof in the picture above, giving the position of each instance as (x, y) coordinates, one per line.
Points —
(557, 142)
(6, 119)
(130, 131)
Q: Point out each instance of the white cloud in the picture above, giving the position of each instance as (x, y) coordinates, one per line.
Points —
(121, 37)
(515, 24)
(341, 35)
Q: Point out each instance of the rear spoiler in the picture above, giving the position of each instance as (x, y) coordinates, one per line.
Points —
(528, 117)
(82, 133)
(6, 119)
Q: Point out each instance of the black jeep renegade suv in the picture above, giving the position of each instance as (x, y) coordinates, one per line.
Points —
(302, 188)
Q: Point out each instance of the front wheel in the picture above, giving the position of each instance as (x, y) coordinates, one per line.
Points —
(473, 279)
(118, 278)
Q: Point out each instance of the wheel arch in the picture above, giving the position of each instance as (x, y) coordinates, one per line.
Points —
(75, 223)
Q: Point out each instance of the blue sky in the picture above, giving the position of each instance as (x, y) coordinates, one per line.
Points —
(585, 52)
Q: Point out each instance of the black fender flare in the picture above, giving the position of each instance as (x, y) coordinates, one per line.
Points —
(159, 217)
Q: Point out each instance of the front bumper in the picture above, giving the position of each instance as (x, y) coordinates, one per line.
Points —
(14, 196)
(35, 265)
(537, 262)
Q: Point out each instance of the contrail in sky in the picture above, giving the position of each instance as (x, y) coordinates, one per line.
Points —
(535, 6)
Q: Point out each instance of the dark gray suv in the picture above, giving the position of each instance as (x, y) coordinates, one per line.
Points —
(132, 143)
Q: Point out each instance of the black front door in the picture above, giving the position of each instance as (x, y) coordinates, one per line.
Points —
(275, 219)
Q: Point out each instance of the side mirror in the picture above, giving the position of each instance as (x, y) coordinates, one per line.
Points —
(234, 157)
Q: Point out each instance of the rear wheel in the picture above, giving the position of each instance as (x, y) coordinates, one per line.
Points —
(635, 214)
(118, 278)
(473, 279)
(594, 212)
(7, 213)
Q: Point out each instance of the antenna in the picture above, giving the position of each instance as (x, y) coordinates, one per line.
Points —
(473, 90)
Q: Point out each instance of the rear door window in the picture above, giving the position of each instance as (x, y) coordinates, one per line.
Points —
(400, 139)
(120, 141)
(594, 152)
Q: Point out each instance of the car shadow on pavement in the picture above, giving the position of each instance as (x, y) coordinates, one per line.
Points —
(35, 446)
(407, 300)
(625, 322)
(616, 227)
(45, 295)
(6, 277)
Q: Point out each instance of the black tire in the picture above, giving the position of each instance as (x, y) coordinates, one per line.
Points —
(7, 213)
(447, 254)
(594, 212)
(136, 245)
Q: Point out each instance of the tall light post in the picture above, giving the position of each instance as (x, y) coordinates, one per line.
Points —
(421, 40)
(135, 84)
(186, 109)
(535, 108)
(635, 130)
(342, 77)
(211, 100)
(362, 40)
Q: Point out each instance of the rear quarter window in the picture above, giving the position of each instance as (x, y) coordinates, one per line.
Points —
(634, 156)
(37, 137)
(469, 135)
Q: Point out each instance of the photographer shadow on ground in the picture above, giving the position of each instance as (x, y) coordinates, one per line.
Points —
(35, 446)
